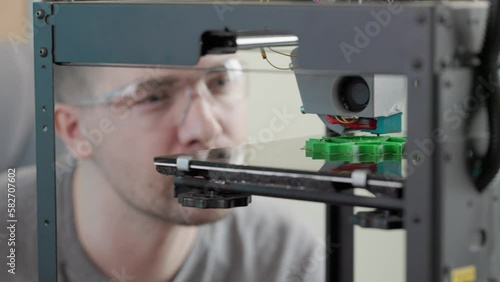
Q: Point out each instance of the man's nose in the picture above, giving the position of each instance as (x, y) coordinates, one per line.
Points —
(199, 126)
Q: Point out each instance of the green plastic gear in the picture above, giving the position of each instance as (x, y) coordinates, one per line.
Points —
(374, 148)
(350, 158)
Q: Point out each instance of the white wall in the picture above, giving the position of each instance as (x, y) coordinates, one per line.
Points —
(379, 255)
(269, 90)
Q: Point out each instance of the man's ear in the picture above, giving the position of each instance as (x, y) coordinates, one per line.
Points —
(68, 126)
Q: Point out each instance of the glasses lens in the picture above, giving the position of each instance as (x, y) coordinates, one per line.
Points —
(147, 94)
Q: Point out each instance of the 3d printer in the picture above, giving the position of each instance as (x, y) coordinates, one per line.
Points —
(430, 53)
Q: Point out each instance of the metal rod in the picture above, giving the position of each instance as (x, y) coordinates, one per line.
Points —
(340, 244)
(256, 41)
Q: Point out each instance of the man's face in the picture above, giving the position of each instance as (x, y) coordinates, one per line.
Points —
(165, 112)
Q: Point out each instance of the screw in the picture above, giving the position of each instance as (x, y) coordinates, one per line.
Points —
(417, 64)
(442, 19)
(421, 18)
(447, 157)
(443, 63)
(302, 110)
(470, 153)
(470, 203)
(416, 158)
(473, 21)
(43, 52)
(46, 222)
(40, 14)
(44, 109)
(461, 49)
(45, 128)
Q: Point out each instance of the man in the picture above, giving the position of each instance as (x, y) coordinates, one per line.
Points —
(117, 218)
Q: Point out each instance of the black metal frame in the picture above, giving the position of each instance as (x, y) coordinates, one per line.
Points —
(416, 43)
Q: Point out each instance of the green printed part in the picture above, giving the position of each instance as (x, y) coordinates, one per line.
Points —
(351, 158)
(355, 145)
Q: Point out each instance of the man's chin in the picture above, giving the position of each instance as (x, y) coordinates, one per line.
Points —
(194, 216)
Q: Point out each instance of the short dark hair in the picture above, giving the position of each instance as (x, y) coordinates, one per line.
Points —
(72, 83)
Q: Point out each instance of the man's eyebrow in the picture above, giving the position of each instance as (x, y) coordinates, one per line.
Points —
(222, 66)
(218, 67)
(169, 80)
(158, 81)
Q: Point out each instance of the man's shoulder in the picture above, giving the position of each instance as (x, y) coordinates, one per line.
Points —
(271, 240)
(22, 183)
(270, 217)
(22, 187)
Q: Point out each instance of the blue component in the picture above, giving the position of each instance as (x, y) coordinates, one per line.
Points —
(389, 168)
(390, 124)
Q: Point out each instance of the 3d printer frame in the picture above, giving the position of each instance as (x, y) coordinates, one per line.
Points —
(428, 42)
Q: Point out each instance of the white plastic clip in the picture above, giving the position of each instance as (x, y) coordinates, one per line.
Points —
(359, 178)
(183, 162)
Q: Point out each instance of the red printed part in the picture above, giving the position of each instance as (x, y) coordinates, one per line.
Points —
(362, 123)
(351, 167)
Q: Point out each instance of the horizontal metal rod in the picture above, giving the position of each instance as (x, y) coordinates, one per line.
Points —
(256, 41)
(373, 182)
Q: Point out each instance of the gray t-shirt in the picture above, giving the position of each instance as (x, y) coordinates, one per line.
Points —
(17, 105)
(261, 242)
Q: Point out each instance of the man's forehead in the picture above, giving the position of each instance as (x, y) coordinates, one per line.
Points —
(111, 78)
(211, 60)
(145, 73)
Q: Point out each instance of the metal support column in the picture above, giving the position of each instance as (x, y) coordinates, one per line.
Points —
(45, 148)
(340, 244)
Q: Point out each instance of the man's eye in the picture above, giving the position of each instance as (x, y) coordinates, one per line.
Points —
(219, 82)
(156, 97)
